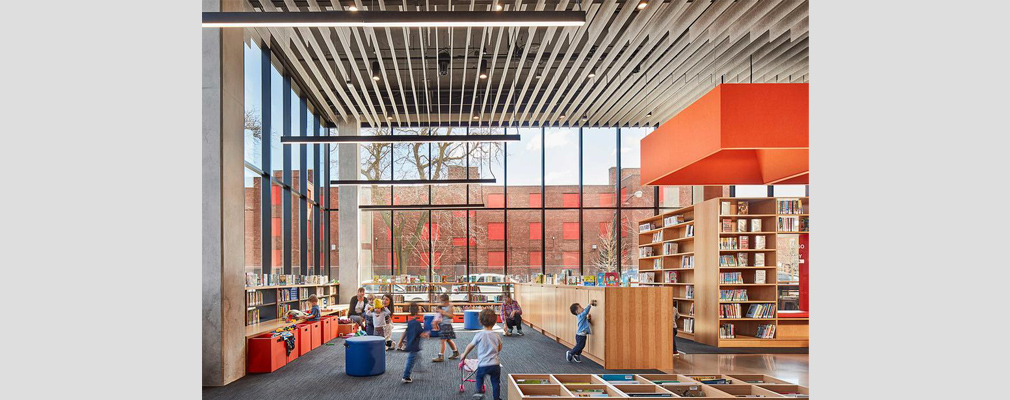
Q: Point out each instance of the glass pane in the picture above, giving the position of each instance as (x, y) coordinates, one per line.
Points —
(253, 222)
(524, 169)
(600, 241)
(334, 239)
(675, 196)
(599, 167)
(296, 249)
(253, 104)
(562, 241)
(448, 162)
(276, 231)
(486, 161)
(376, 249)
(410, 249)
(629, 241)
(561, 166)
(525, 244)
(633, 194)
(449, 251)
(296, 130)
(276, 122)
(311, 151)
(790, 190)
(487, 252)
(751, 191)
(376, 161)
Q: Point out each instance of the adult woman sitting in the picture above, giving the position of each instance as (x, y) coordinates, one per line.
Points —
(357, 308)
(511, 315)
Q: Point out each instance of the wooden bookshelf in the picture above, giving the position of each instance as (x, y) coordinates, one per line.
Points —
(677, 227)
(577, 386)
(472, 296)
(270, 308)
(713, 225)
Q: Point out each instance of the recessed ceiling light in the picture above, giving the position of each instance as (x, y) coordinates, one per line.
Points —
(592, 74)
(476, 117)
(349, 84)
(562, 116)
(642, 4)
(498, 6)
(585, 118)
(649, 114)
(389, 118)
(352, 8)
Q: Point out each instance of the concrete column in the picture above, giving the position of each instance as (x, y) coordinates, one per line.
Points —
(223, 260)
(349, 216)
(702, 193)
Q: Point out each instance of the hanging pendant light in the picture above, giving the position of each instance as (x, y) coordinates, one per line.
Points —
(375, 71)
(483, 69)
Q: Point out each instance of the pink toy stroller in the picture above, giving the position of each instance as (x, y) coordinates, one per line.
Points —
(468, 373)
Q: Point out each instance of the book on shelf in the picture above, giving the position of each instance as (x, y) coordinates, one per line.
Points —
(689, 231)
(673, 220)
(589, 280)
(744, 242)
(690, 310)
(727, 260)
(670, 248)
(657, 237)
(788, 224)
(741, 225)
(727, 225)
(687, 262)
(689, 291)
(759, 276)
(646, 277)
(645, 252)
(742, 207)
(789, 206)
(253, 297)
(645, 227)
(755, 225)
(730, 277)
(733, 294)
(671, 276)
(612, 279)
(729, 310)
(804, 224)
(725, 208)
(759, 242)
(763, 310)
(726, 331)
(759, 259)
(252, 317)
(727, 243)
(689, 325)
(765, 331)
(657, 263)
(741, 259)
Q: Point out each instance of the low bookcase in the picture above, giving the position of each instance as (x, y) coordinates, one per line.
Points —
(579, 386)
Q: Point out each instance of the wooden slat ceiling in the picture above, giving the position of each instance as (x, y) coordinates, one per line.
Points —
(649, 64)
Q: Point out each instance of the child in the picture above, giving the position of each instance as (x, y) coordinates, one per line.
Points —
(445, 332)
(413, 337)
(582, 316)
(369, 328)
(378, 314)
(488, 345)
(314, 313)
(676, 316)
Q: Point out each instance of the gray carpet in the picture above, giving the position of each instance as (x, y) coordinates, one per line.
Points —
(320, 373)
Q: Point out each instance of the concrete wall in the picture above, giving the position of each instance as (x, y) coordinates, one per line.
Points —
(349, 215)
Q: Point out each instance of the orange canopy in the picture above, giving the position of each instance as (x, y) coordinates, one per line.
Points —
(737, 134)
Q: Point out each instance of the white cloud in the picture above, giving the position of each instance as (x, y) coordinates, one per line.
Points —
(555, 177)
(532, 142)
(558, 139)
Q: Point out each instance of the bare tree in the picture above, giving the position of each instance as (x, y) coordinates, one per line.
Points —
(606, 257)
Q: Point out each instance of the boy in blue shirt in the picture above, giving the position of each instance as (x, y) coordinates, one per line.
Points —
(314, 314)
(582, 316)
(488, 345)
(413, 337)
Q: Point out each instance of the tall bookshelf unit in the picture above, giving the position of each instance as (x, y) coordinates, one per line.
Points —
(463, 295)
(670, 238)
(268, 303)
(730, 258)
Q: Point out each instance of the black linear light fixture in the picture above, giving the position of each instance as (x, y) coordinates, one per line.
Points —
(398, 139)
(387, 182)
(421, 207)
(432, 19)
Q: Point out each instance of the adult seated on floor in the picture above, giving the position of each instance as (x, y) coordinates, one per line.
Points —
(357, 308)
(511, 315)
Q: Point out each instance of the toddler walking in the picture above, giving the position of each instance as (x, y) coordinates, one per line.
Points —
(488, 345)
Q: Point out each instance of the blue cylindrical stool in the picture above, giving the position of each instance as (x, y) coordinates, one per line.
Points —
(365, 356)
(428, 317)
(471, 319)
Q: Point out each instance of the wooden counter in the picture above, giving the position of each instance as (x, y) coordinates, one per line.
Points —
(632, 326)
(268, 326)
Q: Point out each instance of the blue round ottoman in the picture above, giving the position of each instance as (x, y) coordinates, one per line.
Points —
(365, 356)
(471, 319)
(428, 317)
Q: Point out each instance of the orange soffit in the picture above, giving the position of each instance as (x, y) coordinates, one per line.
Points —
(737, 134)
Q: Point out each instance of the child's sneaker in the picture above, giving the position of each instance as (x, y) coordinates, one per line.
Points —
(568, 356)
(520, 332)
(438, 359)
(455, 355)
(406, 380)
(478, 395)
(577, 358)
(508, 333)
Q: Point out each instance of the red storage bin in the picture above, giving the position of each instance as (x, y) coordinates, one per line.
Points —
(316, 330)
(343, 329)
(296, 351)
(457, 318)
(264, 354)
(327, 329)
(399, 318)
(304, 341)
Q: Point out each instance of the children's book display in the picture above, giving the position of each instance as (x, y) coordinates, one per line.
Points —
(537, 386)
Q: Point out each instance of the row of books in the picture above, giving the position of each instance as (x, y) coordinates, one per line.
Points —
(689, 292)
(742, 208)
(645, 252)
(283, 309)
(741, 225)
(252, 317)
(761, 311)
(741, 260)
(657, 237)
(287, 294)
(253, 279)
(670, 248)
(729, 311)
(485, 298)
(689, 231)
(253, 298)
(741, 243)
(673, 220)
(646, 227)
(731, 277)
(788, 206)
(765, 331)
(794, 224)
(687, 262)
(727, 331)
(733, 294)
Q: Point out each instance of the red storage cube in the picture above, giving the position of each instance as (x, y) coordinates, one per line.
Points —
(316, 330)
(399, 318)
(304, 341)
(343, 329)
(327, 329)
(264, 354)
(457, 318)
(296, 351)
